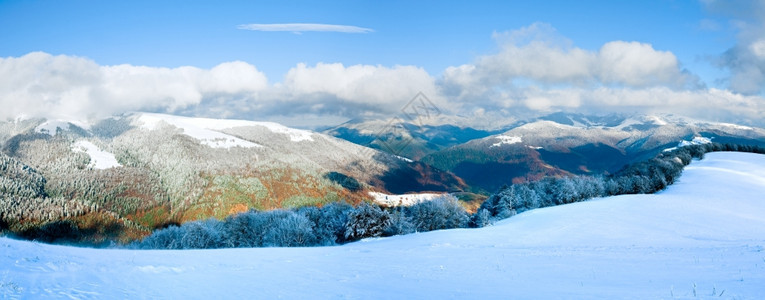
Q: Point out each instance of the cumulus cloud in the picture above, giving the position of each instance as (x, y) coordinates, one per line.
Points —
(535, 71)
(746, 59)
(302, 27)
(712, 104)
(538, 70)
(42, 85)
(387, 88)
(539, 55)
(68, 87)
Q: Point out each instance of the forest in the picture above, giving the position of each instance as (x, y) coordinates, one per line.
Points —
(339, 223)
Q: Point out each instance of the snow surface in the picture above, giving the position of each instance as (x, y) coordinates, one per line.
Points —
(698, 140)
(402, 200)
(656, 120)
(207, 130)
(99, 159)
(201, 129)
(404, 159)
(703, 237)
(506, 140)
(735, 126)
(49, 127)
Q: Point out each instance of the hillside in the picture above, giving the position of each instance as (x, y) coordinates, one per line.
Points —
(561, 144)
(701, 238)
(406, 138)
(140, 171)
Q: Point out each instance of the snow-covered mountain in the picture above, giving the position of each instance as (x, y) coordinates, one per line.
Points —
(571, 140)
(144, 170)
(703, 237)
(408, 138)
(562, 144)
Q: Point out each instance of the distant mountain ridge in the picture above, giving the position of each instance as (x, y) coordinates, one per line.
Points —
(420, 139)
(552, 145)
(561, 144)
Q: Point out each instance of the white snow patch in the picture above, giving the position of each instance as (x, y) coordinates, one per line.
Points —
(506, 140)
(404, 159)
(578, 124)
(50, 126)
(402, 200)
(295, 135)
(20, 118)
(201, 129)
(735, 126)
(627, 123)
(656, 120)
(705, 234)
(699, 140)
(99, 159)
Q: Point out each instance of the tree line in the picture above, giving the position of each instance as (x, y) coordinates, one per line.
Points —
(332, 224)
(645, 177)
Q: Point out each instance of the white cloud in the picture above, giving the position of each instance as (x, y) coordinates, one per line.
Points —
(42, 85)
(710, 104)
(638, 65)
(746, 59)
(365, 84)
(538, 54)
(67, 87)
(303, 27)
(536, 70)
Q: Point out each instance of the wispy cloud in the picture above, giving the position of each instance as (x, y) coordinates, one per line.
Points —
(303, 27)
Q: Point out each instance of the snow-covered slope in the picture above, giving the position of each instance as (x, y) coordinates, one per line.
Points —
(703, 237)
(99, 159)
(204, 130)
(51, 126)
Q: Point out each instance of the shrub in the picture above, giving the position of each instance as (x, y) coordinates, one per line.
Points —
(168, 238)
(399, 224)
(366, 221)
(440, 213)
(482, 218)
(328, 222)
(202, 235)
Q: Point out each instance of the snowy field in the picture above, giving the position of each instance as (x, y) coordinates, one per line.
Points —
(704, 237)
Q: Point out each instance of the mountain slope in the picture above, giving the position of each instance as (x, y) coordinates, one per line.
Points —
(146, 170)
(406, 138)
(562, 144)
(703, 237)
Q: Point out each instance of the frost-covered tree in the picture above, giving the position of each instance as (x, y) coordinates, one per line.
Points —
(366, 221)
(481, 218)
(399, 223)
(288, 229)
(202, 235)
(440, 213)
(328, 222)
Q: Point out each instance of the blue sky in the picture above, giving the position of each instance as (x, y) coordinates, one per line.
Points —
(430, 35)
